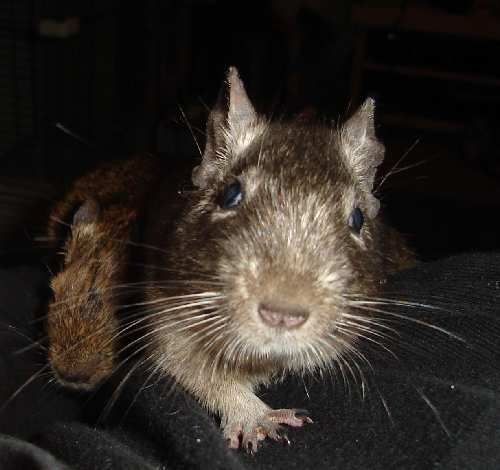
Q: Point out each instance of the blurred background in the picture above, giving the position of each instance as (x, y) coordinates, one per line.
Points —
(85, 81)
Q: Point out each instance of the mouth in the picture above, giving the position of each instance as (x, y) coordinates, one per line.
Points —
(77, 386)
(278, 343)
(77, 380)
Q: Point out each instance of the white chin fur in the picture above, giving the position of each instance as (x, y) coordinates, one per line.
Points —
(293, 353)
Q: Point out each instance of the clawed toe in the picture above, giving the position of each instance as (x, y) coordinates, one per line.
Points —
(248, 438)
(292, 417)
(269, 426)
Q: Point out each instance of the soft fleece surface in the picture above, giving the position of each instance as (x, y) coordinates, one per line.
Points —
(435, 405)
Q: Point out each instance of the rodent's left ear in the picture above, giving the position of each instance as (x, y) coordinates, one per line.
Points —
(364, 152)
(232, 124)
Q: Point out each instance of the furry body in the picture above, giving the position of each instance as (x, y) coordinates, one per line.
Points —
(82, 318)
(284, 255)
(252, 275)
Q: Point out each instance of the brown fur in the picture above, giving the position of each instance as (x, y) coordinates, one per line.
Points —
(82, 322)
(287, 244)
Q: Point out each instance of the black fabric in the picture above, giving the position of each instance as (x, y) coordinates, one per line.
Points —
(432, 402)
(15, 453)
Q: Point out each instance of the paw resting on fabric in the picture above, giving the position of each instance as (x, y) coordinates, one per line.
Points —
(248, 433)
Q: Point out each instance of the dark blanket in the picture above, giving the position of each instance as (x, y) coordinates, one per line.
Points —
(432, 402)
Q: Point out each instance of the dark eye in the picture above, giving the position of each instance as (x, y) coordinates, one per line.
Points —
(356, 220)
(231, 196)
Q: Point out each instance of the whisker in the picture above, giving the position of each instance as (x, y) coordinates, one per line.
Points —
(366, 322)
(385, 405)
(154, 370)
(34, 345)
(74, 300)
(22, 387)
(434, 410)
(354, 352)
(191, 130)
(408, 167)
(118, 391)
(416, 321)
(13, 329)
(148, 334)
(394, 167)
(373, 341)
(210, 295)
(382, 301)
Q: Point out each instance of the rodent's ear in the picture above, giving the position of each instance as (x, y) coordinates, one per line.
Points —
(363, 150)
(87, 213)
(232, 125)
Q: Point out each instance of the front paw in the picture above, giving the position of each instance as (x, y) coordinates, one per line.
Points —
(248, 433)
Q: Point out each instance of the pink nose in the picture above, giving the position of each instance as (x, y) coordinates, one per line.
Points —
(281, 316)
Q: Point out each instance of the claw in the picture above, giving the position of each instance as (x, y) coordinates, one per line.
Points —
(295, 418)
(285, 439)
(248, 435)
(301, 413)
(233, 442)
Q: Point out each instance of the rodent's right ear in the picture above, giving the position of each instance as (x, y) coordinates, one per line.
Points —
(87, 213)
(363, 151)
(232, 125)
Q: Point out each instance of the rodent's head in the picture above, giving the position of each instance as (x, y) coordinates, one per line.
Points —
(81, 322)
(284, 223)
